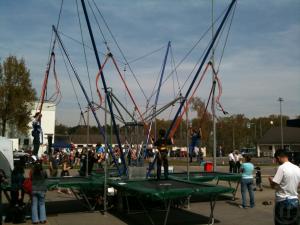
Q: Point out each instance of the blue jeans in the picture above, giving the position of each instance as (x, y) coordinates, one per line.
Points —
(247, 184)
(38, 210)
(287, 212)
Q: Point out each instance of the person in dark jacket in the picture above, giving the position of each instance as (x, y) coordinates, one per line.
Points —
(39, 189)
(258, 180)
(17, 180)
(37, 133)
(162, 155)
(3, 180)
(83, 162)
(195, 141)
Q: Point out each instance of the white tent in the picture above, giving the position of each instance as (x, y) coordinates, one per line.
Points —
(6, 155)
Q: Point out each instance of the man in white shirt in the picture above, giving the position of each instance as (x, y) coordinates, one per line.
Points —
(286, 182)
(231, 159)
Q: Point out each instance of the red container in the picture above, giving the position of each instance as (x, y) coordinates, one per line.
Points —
(208, 167)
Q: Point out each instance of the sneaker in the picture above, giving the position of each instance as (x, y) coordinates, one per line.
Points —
(242, 207)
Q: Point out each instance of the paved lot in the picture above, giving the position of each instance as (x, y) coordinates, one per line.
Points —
(63, 209)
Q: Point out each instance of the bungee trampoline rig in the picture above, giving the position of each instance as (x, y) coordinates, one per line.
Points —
(179, 186)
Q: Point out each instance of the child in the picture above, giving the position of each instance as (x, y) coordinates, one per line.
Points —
(258, 178)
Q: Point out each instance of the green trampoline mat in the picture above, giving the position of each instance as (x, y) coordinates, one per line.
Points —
(91, 182)
(167, 189)
(206, 176)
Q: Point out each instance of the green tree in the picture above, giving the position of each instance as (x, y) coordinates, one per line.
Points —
(16, 95)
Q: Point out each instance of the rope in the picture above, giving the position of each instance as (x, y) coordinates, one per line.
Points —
(118, 46)
(146, 55)
(85, 45)
(174, 68)
(191, 50)
(156, 81)
(129, 93)
(44, 86)
(109, 55)
(99, 27)
(223, 50)
(72, 83)
(84, 51)
(52, 33)
(179, 119)
(51, 52)
(56, 96)
(97, 79)
(208, 100)
(216, 77)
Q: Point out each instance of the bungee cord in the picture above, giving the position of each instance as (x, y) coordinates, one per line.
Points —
(84, 51)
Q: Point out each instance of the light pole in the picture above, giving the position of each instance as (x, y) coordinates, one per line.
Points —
(249, 126)
(280, 99)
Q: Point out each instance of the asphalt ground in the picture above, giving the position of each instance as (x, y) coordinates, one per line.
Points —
(64, 209)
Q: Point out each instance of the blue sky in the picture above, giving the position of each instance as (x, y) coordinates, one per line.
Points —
(261, 60)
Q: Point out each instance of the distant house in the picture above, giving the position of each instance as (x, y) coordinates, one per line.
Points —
(271, 141)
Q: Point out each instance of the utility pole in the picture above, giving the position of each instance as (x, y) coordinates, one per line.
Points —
(105, 160)
(187, 144)
(280, 99)
(109, 95)
(109, 103)
(87, 140)
(260, 129)
(214, 92)
(233, 138)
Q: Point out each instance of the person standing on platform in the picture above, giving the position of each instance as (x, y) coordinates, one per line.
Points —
(220, 151)
(286, 182)
(162, 155)
(54, 163)
(134, 155)
(77, 158)
(231, 160)
(83, 162)
(195, 141)
(247, 169)
(37, 133)
(66, 165)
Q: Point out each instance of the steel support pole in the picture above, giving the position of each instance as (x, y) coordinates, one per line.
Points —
(201, 65)
(85, 93)
(105, 86)
(281, 128)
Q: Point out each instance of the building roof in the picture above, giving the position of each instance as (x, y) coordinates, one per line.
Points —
(291, 135)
